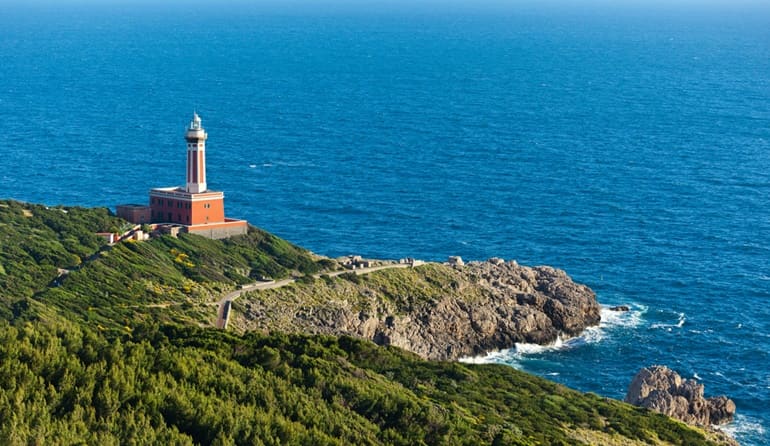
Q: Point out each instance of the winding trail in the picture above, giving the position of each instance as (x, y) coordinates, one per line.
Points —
(225, 303)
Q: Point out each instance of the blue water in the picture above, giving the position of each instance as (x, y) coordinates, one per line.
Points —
(629, 146)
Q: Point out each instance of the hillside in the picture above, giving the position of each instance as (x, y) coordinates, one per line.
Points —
(52, 256)
(112, 345)
(181, 385)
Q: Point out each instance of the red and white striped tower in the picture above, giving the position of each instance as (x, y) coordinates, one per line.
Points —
(196, 156)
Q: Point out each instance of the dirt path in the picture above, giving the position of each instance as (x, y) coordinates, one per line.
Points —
(225, 303)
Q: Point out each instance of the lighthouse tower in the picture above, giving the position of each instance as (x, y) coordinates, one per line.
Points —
(192, 206)
(196, 156)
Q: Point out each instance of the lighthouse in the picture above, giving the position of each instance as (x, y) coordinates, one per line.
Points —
(192, 207)
(196, 156)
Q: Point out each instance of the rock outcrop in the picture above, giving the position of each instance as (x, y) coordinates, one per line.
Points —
(661, 389)
(479, 307)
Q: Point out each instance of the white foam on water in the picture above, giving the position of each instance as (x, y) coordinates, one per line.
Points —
(590, 335)
(743, 425)
(512, 356)
(609, 320)
(494, 357)
(669, 327)
(631, 318)
(536, 349)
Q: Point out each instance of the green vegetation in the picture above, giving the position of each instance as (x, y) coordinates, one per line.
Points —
(174, 279)
(37, 240)
(405, 288)
(112, 352)
(62, 384)
(55, 256)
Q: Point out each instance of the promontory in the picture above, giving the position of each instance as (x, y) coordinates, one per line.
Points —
(115, 343)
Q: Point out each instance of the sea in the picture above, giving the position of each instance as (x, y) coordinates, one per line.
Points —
(627, 143)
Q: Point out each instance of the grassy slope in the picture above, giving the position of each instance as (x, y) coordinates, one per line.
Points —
(37, 240)
(171, 279)
(69, 382)
(175, 279)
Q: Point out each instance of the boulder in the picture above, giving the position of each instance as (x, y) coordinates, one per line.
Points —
(721, 409)
(620, 308)
(661, 389)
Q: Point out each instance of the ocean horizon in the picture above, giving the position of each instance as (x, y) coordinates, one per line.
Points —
(629, 146)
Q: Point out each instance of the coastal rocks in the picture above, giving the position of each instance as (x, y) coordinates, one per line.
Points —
(497, 261)
(620, 308)
(446, 312)
(519, 304)
(661, 389)
(721, 409)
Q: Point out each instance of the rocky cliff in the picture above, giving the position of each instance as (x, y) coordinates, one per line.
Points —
(437, 311)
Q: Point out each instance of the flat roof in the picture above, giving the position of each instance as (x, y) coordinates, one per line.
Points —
(174, 192)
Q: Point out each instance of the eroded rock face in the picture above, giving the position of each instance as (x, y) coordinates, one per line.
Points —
(661, 389)
(511, 303)
(533, 305)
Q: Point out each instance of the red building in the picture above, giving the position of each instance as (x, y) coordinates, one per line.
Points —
(197, 209)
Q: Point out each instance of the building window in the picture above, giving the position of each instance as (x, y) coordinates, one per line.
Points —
(169, 216)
